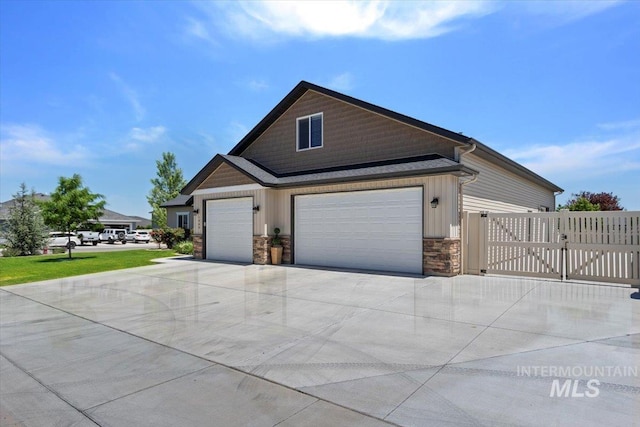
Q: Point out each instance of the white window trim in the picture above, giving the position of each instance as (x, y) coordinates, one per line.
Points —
(178, 219)
(321, 130)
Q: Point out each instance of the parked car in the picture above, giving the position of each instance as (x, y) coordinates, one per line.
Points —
(112, 235)
(66, 240)
(138, 236)
(86, 236)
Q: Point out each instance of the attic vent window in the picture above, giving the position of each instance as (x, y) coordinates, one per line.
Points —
(309, 132)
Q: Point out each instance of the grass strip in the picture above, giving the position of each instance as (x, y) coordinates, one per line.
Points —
(45, 267)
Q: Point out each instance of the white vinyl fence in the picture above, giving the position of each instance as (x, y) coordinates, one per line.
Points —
(599, 246)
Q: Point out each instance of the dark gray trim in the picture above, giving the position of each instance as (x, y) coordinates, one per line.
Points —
(353, 166)
(292, 224)
(204, 229)
(181, 200)
(385, 170)
(453, 170)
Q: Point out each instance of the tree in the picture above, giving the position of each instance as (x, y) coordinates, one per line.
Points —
(26, 233)
(580, 204)
(606, 201)
(166, 186)
(71, 205)
(587, 201)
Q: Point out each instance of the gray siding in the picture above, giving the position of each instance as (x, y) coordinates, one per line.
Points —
(351, 135)
(498, 190)
(172, 217)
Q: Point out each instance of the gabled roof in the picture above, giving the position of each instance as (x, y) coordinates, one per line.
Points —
(432, 164)
(302, 87)
(107, 215)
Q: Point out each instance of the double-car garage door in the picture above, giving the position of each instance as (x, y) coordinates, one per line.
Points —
(372, 230)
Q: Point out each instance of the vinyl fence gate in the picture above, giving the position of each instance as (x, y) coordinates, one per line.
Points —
(597, 246)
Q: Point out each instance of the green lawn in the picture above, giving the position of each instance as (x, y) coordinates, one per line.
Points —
(44, 267)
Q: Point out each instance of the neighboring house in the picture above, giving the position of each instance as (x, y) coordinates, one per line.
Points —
(353, 185)
(142, 222)
(180, 212)
(109, 218)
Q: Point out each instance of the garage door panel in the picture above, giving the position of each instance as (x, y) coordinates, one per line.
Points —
(378, 230)
(230, 229)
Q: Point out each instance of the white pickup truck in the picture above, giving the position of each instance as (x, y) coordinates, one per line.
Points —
(85, 236)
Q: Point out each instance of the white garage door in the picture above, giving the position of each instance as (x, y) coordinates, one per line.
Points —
(230, 229)
(374, 230)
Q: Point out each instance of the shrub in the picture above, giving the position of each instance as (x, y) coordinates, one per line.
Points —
(276, 240)
(168, 236)
(184, 247)
(10, 252)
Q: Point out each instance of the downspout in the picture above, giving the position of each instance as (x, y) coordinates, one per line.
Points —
(460, 204)
(555, 202)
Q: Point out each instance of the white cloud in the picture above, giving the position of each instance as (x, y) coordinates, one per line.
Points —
(342, 82)
(150, 134)
(258, 85)
(582, 160)
(131, 96)
(623, 125)
(566, 11)
(237, 131)
(387, 20)
(266, 21)
(138, 137)
(198, 29)
(28, 144)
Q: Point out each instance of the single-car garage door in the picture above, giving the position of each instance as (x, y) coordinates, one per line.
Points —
(230, 229)
(373, 230)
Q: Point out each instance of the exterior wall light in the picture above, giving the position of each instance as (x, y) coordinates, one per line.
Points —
(196, 210)
(434, 202)
(256, 208)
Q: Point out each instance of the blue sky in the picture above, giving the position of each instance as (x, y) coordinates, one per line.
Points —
(103, 88)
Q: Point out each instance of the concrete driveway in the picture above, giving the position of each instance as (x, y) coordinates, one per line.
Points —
(199, 343)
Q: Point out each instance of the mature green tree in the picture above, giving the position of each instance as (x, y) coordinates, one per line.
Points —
(26, 233)
(581, 204)
(166, 186)
(71, 205)
(606, 201)
(587, 201)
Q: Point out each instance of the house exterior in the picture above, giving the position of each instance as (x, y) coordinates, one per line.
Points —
(179, 212)
(109, 218)
(353, 185)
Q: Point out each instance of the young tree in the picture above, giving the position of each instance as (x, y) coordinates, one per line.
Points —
(26, 233)
(166, 186)
(71, 205)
